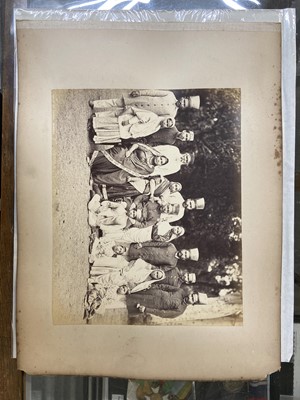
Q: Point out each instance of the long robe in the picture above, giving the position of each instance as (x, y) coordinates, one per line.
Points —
(162, 102)
(105, 172)
(137, 187)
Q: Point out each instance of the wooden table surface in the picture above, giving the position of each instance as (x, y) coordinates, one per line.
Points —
(10, 378)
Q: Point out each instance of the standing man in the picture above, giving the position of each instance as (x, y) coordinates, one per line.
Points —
(166, 136)
(162, 303)
(161, 102)
(161, 254)
(174, 279)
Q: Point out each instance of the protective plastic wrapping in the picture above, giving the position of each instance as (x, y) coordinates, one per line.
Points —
(159, 4)
(214, 21)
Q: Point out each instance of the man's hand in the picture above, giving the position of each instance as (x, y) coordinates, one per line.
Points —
(141, 308)
(135, 93)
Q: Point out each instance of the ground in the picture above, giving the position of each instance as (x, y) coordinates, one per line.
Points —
(71, 194)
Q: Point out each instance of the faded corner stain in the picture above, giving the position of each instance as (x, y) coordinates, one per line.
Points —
(277, 157)
(277, 154)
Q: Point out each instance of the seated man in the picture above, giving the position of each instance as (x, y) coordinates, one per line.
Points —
(178, 206)
(112, 216)
(133, 277)
(105, 249)
(144, 211)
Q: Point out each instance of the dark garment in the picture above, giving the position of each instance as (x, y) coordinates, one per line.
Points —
(172, 281)
(163, 136)
(119, 190)
(156, 253)
(158, 302)
(150, 211)
(105, 172)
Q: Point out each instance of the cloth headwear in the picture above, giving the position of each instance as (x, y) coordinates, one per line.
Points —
(191, 136)
(194, 101)
(179, 184)
(192, 276)
(173, 121)
(194, 254)
(192, 157)
(175, 209)
(202, 298)
(200, 203)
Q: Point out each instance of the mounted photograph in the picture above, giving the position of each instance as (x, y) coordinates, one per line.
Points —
(149, 188)
(147, 221)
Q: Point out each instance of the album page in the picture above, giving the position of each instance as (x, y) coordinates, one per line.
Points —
(149, 196)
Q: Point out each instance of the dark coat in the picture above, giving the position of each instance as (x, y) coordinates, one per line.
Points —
(158, 302)
(172, 281)
(162, 136)
(150, 210)
(156, 253)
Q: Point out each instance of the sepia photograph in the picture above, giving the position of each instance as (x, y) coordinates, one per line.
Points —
(147, 206)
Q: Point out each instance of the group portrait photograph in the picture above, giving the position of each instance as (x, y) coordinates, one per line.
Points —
(147, 208)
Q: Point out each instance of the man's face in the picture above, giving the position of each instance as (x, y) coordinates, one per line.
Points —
(175, 187)
(167, 208)
(159, 160)
(184, 254)
(122, 289)
(167, 123)
(186, 136)
(189, 277)
(185, 158)
(177, 230)
(118, 249)
(157, 274)
(183, 102)
(132, 214)
(192, 298)
(190, 204)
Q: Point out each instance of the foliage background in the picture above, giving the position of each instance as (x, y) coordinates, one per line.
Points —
(216, 176)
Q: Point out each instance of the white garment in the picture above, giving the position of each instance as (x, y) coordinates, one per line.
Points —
(102, 250)
(174, 199)
(108, 215)
(173, 165)
(140, 235)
